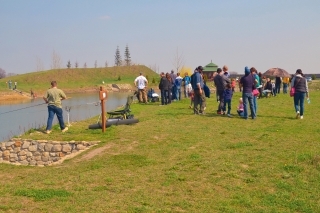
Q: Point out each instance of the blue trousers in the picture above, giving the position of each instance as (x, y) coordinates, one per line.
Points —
(51, 111)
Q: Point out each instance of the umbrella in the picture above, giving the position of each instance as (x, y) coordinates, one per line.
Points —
(277, 72)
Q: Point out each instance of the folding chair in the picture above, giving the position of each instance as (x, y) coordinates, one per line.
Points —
(124, 113)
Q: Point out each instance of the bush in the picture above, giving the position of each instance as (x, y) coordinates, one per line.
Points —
(313, 77)
(153, 80)
(119, 78)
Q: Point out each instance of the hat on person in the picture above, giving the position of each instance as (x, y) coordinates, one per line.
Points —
(200, 68)
(246, 70)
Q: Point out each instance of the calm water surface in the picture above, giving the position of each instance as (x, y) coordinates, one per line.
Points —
(16, 119)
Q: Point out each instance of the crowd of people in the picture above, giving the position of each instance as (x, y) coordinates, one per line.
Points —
(252, 85)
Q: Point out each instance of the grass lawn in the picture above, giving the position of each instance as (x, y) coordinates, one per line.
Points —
(174, 161)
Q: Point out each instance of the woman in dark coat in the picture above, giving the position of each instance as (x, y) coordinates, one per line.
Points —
(299, 82)
(164, 88)
(170, 87)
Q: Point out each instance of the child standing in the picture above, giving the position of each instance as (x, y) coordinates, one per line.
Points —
(273, 89)
(227, 95)
(233, 84)
(240, 108)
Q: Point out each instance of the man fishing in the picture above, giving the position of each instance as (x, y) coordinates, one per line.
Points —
(53, 98)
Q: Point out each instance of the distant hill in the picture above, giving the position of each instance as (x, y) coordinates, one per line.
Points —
(78, 78)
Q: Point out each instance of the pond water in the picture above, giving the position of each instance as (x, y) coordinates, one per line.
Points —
(16, 119)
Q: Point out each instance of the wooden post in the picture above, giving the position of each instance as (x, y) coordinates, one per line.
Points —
(103, 97)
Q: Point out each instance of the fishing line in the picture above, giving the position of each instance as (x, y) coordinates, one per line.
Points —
(21, 108)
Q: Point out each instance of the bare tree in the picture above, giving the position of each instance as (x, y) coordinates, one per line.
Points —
(85, 65)
(95, 64)
(178, 61)
(154, 68)
(56, 61)
(2, 73)
(106, 64)
(76, 64)
(40, 66)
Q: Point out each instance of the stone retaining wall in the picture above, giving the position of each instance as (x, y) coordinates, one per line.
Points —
(40, 152)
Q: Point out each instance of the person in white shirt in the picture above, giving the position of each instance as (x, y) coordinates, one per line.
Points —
(141, 83)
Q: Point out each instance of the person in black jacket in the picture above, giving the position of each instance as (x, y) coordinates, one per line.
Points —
(267, 87)
(220, 80)
(299, 82)
(164, 88)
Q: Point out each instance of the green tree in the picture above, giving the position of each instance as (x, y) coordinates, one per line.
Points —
(313, 77)
(127, 57)
(118, 60)
(69, 64)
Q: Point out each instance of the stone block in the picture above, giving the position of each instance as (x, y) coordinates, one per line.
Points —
(66, 148)
(22, 153)
(18, 143)
(5, 153)
(13, 155)
(33, 162)
(29, 154)
(41, 147)
(16, 149)
(48, 147)
(6, 158)
(39, 163)
(52, 154)
(45, 154)
(36, 154)
(12, 160)
(33, 148)
(61, 154)
(9, 143)
(44, 159)
(56, 148)
(37, 158)
(24, 162)
(80, 147)
(25, 145)
(23, 157)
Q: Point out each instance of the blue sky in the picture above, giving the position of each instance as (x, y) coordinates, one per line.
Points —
(238, 33)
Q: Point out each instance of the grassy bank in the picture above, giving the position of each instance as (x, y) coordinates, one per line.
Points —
(77, 79)
(174, 161)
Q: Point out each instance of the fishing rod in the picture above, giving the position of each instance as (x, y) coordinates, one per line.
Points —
(21, 108)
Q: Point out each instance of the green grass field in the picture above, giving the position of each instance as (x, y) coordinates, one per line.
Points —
(78, 78)
(174, 161)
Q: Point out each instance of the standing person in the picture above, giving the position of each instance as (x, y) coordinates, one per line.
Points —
(173, 79)
(225, 71)
(261, 85)
(170, 85)
(187, 85)
(10, 83)
(15, 85)
(278, 84)
(141, 83)
(274, 91)
(247, 83)
(257, 85)
(53, 98)
(178, 83)
(164, 88)
(233, 84)
(199, 96)
(227, 95)
(299, 82)
(220, 80)
(285, 82)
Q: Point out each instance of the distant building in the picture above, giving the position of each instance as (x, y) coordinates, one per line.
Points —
(210, 69)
